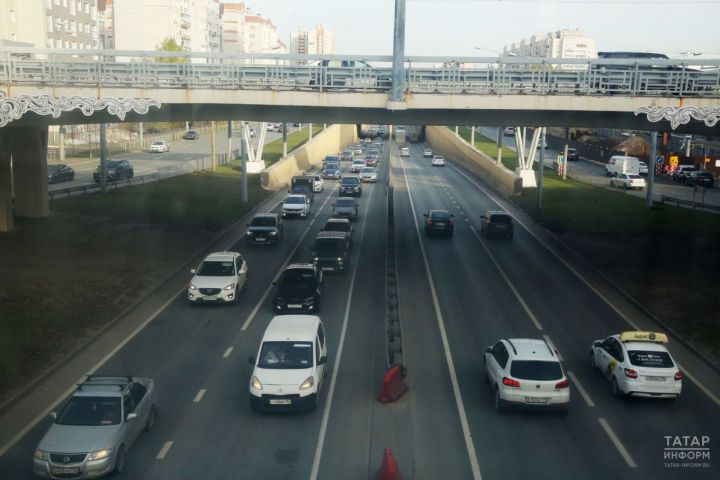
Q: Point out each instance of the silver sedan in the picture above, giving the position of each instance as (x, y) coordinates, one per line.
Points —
(368, 174)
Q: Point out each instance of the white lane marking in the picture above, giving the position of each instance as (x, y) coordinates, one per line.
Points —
(44, 414)
(583, 392)
(587, 283)
(616, 441)
(507, 280)
(336, 364)
(474, 464)
(164, 450)
(199, 396)
(552, 345)
(251, 317)
(227, 352)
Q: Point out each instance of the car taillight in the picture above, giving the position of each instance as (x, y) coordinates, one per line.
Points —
(630, 373)
(563, 384)
(510, 382)
(678, 375)
(429, 222)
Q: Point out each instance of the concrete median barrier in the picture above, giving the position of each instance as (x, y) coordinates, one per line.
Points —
(393, 383)
(443, 141)
(328, 142)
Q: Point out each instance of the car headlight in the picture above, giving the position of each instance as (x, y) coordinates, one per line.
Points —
(255, 383)
(316, 259)
(100, 454)
(230, 287)
(250, 233)
(193, 287)
(40, 454)
(273, 233)
(309, 382)
(340, 259)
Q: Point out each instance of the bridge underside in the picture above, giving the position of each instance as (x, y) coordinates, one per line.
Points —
(355, 107)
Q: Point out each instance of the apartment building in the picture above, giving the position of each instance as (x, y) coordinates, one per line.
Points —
(245, 32)
(559, 44)
(313, 41)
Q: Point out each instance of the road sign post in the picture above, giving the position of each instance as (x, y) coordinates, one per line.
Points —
(651, 171)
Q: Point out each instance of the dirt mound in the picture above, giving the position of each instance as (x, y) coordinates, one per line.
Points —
(634, 146)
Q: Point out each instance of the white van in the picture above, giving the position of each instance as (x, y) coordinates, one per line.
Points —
(621, 164)
(289, 368)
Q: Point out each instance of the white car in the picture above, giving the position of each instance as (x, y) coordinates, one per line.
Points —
(253, 134)
(428, 153)
(628, 181)
(404, 152)
(358, 165)
(218, 279)
(159, 146)
(509, 131)
(438, 161)
(289, 369)
(368, 174)
(318, 186)
(637, 364)
(643, 168)
(269, 127)
(296, 204)
(526, 372)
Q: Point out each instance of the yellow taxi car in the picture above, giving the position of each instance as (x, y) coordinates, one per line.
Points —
(637, 364)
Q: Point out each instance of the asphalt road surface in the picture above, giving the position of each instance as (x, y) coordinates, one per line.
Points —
(593, 172)
(181, 151)
(457, 295)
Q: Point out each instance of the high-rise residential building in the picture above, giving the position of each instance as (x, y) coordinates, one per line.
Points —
(69, 24)
(559, 44)
(313, 41)
(145, 24)
(245, 32)
(106, 25)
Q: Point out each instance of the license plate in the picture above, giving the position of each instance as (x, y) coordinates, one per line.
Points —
(210, 299)
(67, 470)
(536, 400)
(280, 401)
(259, 239)
(330, 269)
(439, 224)
(500, 227)
(294, 305)
(655, 379)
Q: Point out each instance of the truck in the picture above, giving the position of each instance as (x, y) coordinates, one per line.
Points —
(304, 184)
(400, 136)
(622, 164)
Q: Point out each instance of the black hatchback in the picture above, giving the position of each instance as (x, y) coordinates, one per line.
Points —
(59, 172)
(298, 289)
(331, 252)
(497, 223)
(439, 222)
(116, 170)
(265, 228)
(350, 187)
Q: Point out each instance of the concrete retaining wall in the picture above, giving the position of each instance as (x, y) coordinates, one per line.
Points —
(443, 141)
(328, 142)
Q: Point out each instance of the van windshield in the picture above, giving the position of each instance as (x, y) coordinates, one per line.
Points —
(285, 355)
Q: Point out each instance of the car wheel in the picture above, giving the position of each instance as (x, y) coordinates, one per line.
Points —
(499, 405)
(119, 460)
(152, 419)
(615, 388)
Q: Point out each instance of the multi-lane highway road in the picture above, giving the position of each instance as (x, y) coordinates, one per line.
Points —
(457, 296)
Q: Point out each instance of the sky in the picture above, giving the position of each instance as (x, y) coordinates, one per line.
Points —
(455, 27)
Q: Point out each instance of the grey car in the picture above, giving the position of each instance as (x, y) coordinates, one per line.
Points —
(345, 207)
(97, 425)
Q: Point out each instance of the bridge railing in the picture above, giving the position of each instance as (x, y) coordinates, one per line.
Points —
(431, 75)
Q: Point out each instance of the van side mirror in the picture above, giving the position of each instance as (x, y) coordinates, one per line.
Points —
(597, 344)
(251, 360)
(53, 415)
(192, 270)
(488, 349)
(323, 360)
(275, 283)
(131, 416)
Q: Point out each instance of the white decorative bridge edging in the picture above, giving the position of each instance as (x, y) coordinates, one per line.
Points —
(681, 115)
(13, 108)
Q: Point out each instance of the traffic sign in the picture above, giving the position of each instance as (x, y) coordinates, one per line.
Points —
(659, 159)
(674, 160)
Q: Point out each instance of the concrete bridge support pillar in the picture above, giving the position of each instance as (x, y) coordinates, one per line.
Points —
(6, 206)
(29, 152)
(500, 132)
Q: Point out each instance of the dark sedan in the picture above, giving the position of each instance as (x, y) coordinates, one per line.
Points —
(60, 173)
(704, 179)
(345, 207)
(191, 135)
(116, 170)
(496, 223)
(573, 155)
(332, 171)
(298, 289)
(350, 186)
(265, 228)
(439, 222)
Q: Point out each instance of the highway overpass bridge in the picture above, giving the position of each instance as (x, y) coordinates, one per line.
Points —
(41, 87)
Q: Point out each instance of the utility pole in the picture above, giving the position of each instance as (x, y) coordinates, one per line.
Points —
(213, 132)
(310, 132)
(472, 136)
(103, 157)
(565, 152)
(243, 156)
(229, 142)
(140, 133)
(284, 137)
(651, 169)
(541, 169)
(398, 83)
(62, 144)
(499, 144)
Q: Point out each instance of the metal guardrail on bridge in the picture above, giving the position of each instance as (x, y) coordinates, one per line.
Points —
(432, 75)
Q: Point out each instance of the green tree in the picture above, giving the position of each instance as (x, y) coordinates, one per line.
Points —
(170, 45)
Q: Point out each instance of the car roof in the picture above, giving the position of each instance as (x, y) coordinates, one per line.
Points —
(496, 212)
(437, 210)
(284, 328)
(647, 346)
(531, 349)
(325, 234)
(300, 266)
(220, 256)
(338, 220)
(107, 385)
(295, 195)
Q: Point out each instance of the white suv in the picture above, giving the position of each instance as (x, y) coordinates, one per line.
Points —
(159, 146)
(318, 186)
(526, 372)
(289, 369)
(218, 279)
